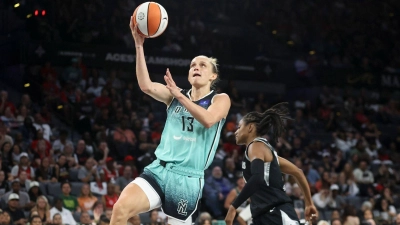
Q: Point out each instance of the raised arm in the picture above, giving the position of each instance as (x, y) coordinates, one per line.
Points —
(156, 90)
(207, 117)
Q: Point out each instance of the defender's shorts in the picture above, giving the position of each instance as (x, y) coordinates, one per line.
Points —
(178, 190)
(281, 215)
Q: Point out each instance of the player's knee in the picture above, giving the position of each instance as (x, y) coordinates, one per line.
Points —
(123, 209)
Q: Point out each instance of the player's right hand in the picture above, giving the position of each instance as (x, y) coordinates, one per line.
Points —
(311, 213)
(139, 40)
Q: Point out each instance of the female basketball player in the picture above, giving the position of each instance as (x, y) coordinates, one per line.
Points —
(190, 137)
(262, 169)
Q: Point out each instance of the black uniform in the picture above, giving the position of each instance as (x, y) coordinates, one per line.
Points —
(270, 204)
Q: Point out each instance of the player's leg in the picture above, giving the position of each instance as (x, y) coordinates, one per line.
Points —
(137, 197)
(244, 215)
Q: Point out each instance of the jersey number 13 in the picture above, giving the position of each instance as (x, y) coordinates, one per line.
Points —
(187, 123)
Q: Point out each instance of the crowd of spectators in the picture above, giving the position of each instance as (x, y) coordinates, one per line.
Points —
(70, 146)
(113, 130)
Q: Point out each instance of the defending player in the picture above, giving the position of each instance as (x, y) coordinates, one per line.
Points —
(263, 168)
(189, 140)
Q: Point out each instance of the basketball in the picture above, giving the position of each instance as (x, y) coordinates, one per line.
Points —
(152, 19)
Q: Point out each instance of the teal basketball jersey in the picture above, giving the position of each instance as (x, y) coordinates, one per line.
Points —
(186, 142)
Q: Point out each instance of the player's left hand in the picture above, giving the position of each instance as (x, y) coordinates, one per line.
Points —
(311, 213)
(230, 216)
(171, 86)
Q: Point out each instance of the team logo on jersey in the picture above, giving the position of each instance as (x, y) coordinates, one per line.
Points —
(182, 206)
(243, 165)
(177, 137)
(204, 102)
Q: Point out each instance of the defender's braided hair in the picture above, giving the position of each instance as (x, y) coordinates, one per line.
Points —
(273, 118)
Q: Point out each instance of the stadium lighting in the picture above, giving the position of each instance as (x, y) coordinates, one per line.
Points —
(36, 12)
(29, 16)
(43, 12)
(16, 5)
(60, 107)
(312, 52)
(274, 32)
(290, 43)
(27, 85)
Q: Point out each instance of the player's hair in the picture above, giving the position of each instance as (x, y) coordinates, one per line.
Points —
(214, 63)
(270, 120)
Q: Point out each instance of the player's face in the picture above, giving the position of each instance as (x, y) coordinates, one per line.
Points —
(200, 72)
(240, 134)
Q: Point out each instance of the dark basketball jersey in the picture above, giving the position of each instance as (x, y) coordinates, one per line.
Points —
(271, 193)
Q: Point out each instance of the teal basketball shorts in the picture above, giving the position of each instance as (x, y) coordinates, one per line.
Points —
(178, 188)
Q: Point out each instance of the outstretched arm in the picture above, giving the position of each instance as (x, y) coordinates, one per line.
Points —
(207, 117)
(156, 90)
(258, 156)
(289, 168)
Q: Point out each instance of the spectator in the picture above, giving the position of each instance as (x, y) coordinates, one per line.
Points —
(230, 171)
(234, 193)
(124, 180)
(40, 124)
(4, 185)
(34, 192)
(24, 183)
(103, 101)
(28, 131)
(216, 189)
(6, 155)
(109, 173)
(24, 165)
(102, 153)
(69, 202)
(111, 197)
(364, 178)
(43, 209)
(311, 174)
(154, 217)
(70, 156)
(4, 103)
(73, 73)
(85, 218)
(386, 211)
(89, 172)
(35, 220)
(81, 153)
(66, 215)
(86, 200)
(16, 214)
(62, 169)
(39, 137)
(135, 220)
(349, 216)
(95, 89)
(46, 173)
(59, 144)
(4, 137)
(40, 153)
(97, 211)
(57, 219)
(15, 154)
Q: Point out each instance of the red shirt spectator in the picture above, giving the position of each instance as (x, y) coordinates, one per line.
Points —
(103, 101)
(4, 103)
(111, 197)
(109, 172)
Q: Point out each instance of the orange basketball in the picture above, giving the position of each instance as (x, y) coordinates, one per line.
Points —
(152, 19)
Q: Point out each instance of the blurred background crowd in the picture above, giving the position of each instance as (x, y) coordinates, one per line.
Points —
(73, 135)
